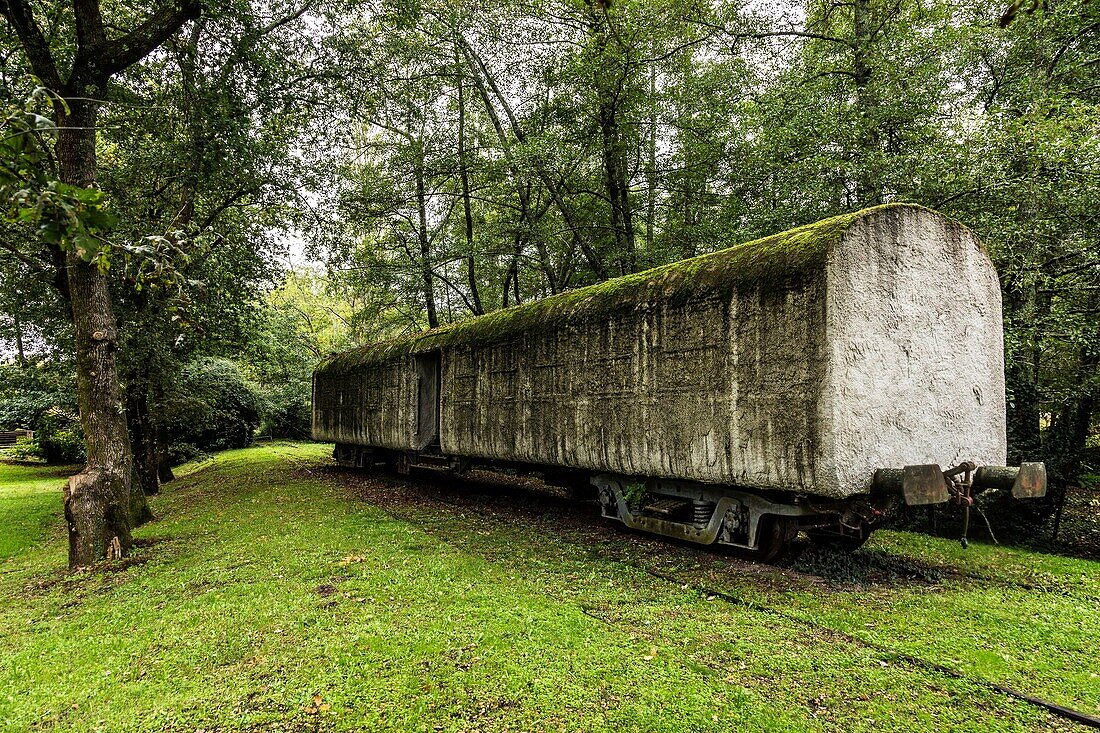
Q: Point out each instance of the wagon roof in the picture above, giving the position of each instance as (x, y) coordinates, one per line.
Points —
(773, 260)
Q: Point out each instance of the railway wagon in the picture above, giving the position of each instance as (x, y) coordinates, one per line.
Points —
(800, 382)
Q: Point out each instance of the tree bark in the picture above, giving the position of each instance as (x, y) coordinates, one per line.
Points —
(868, 184)
(143, 438)
(467, 209)
(100, 506)
(425, 247)
(610, 78)
(20, 355)
(651, 164)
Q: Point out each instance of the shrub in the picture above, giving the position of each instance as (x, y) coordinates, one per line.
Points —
(288, 413)
(212, 407)
(58, 438)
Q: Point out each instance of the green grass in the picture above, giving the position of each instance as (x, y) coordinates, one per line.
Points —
(30, 503)
(273, 595)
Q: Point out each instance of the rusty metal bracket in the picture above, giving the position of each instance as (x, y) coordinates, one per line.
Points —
(1031, 481)
(924, 485)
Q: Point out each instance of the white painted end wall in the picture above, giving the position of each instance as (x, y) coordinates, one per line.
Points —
(915, 372)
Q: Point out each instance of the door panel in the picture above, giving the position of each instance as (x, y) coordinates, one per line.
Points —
(427, 399)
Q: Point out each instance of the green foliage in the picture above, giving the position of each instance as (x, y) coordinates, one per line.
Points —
(302, 321)
(289, 414)
(70, 217)
(41, 397)
(211, 407)
(58, 438)
(635, 494)
(28, 392)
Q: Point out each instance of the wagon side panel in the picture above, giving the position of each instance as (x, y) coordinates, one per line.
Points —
(719, 389)
(369, 405)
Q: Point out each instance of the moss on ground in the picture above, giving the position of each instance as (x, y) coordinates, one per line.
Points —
(775, 261)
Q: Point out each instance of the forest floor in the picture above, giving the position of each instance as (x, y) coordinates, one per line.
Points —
(276, 592)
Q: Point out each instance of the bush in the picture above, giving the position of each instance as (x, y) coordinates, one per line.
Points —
(289, 414)
(58, 438)
(25, 449)
(28, 393)
(182, 453)
(213, 407)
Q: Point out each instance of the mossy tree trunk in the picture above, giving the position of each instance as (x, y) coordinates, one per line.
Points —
(97, 500)
(102, 503)
(143, 437)
(467, 208)
(865, 23)
(1022, 374)
(425, 244)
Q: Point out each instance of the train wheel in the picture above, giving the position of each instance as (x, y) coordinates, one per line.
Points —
(776, 543)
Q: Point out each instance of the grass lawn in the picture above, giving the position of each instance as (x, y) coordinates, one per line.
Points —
(274, 593)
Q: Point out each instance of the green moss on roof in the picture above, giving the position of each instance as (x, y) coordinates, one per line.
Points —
(773, 260)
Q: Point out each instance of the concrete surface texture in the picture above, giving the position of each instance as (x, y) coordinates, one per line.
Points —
(878, 345)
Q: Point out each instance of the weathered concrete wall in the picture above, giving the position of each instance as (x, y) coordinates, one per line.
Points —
(801, 362)
(916, 359)
(721, 390)
(372, 404)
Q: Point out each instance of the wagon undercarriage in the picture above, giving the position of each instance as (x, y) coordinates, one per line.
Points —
(762, 527)
(760, 524)
(765, 525)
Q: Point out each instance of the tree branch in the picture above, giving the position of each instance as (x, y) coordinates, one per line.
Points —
(18, 14)
(126, 51)
(35, 265)
(225, 205)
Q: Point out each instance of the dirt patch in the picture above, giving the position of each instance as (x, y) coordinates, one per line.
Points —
(866, 567)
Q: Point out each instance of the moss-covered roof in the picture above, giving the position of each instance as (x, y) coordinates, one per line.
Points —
(774, 260)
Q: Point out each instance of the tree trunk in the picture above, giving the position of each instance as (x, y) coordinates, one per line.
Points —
(1022, 376)
(618, 186)
(101, 502)
(164, 465)
(425, 247)
(651, 164)
(467, 210)
(610, 80)
(143, 437)
(868, 182)
(20, 355)
(100, 506)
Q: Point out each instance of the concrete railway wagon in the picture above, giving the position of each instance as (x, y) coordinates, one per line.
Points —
(800, 382)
